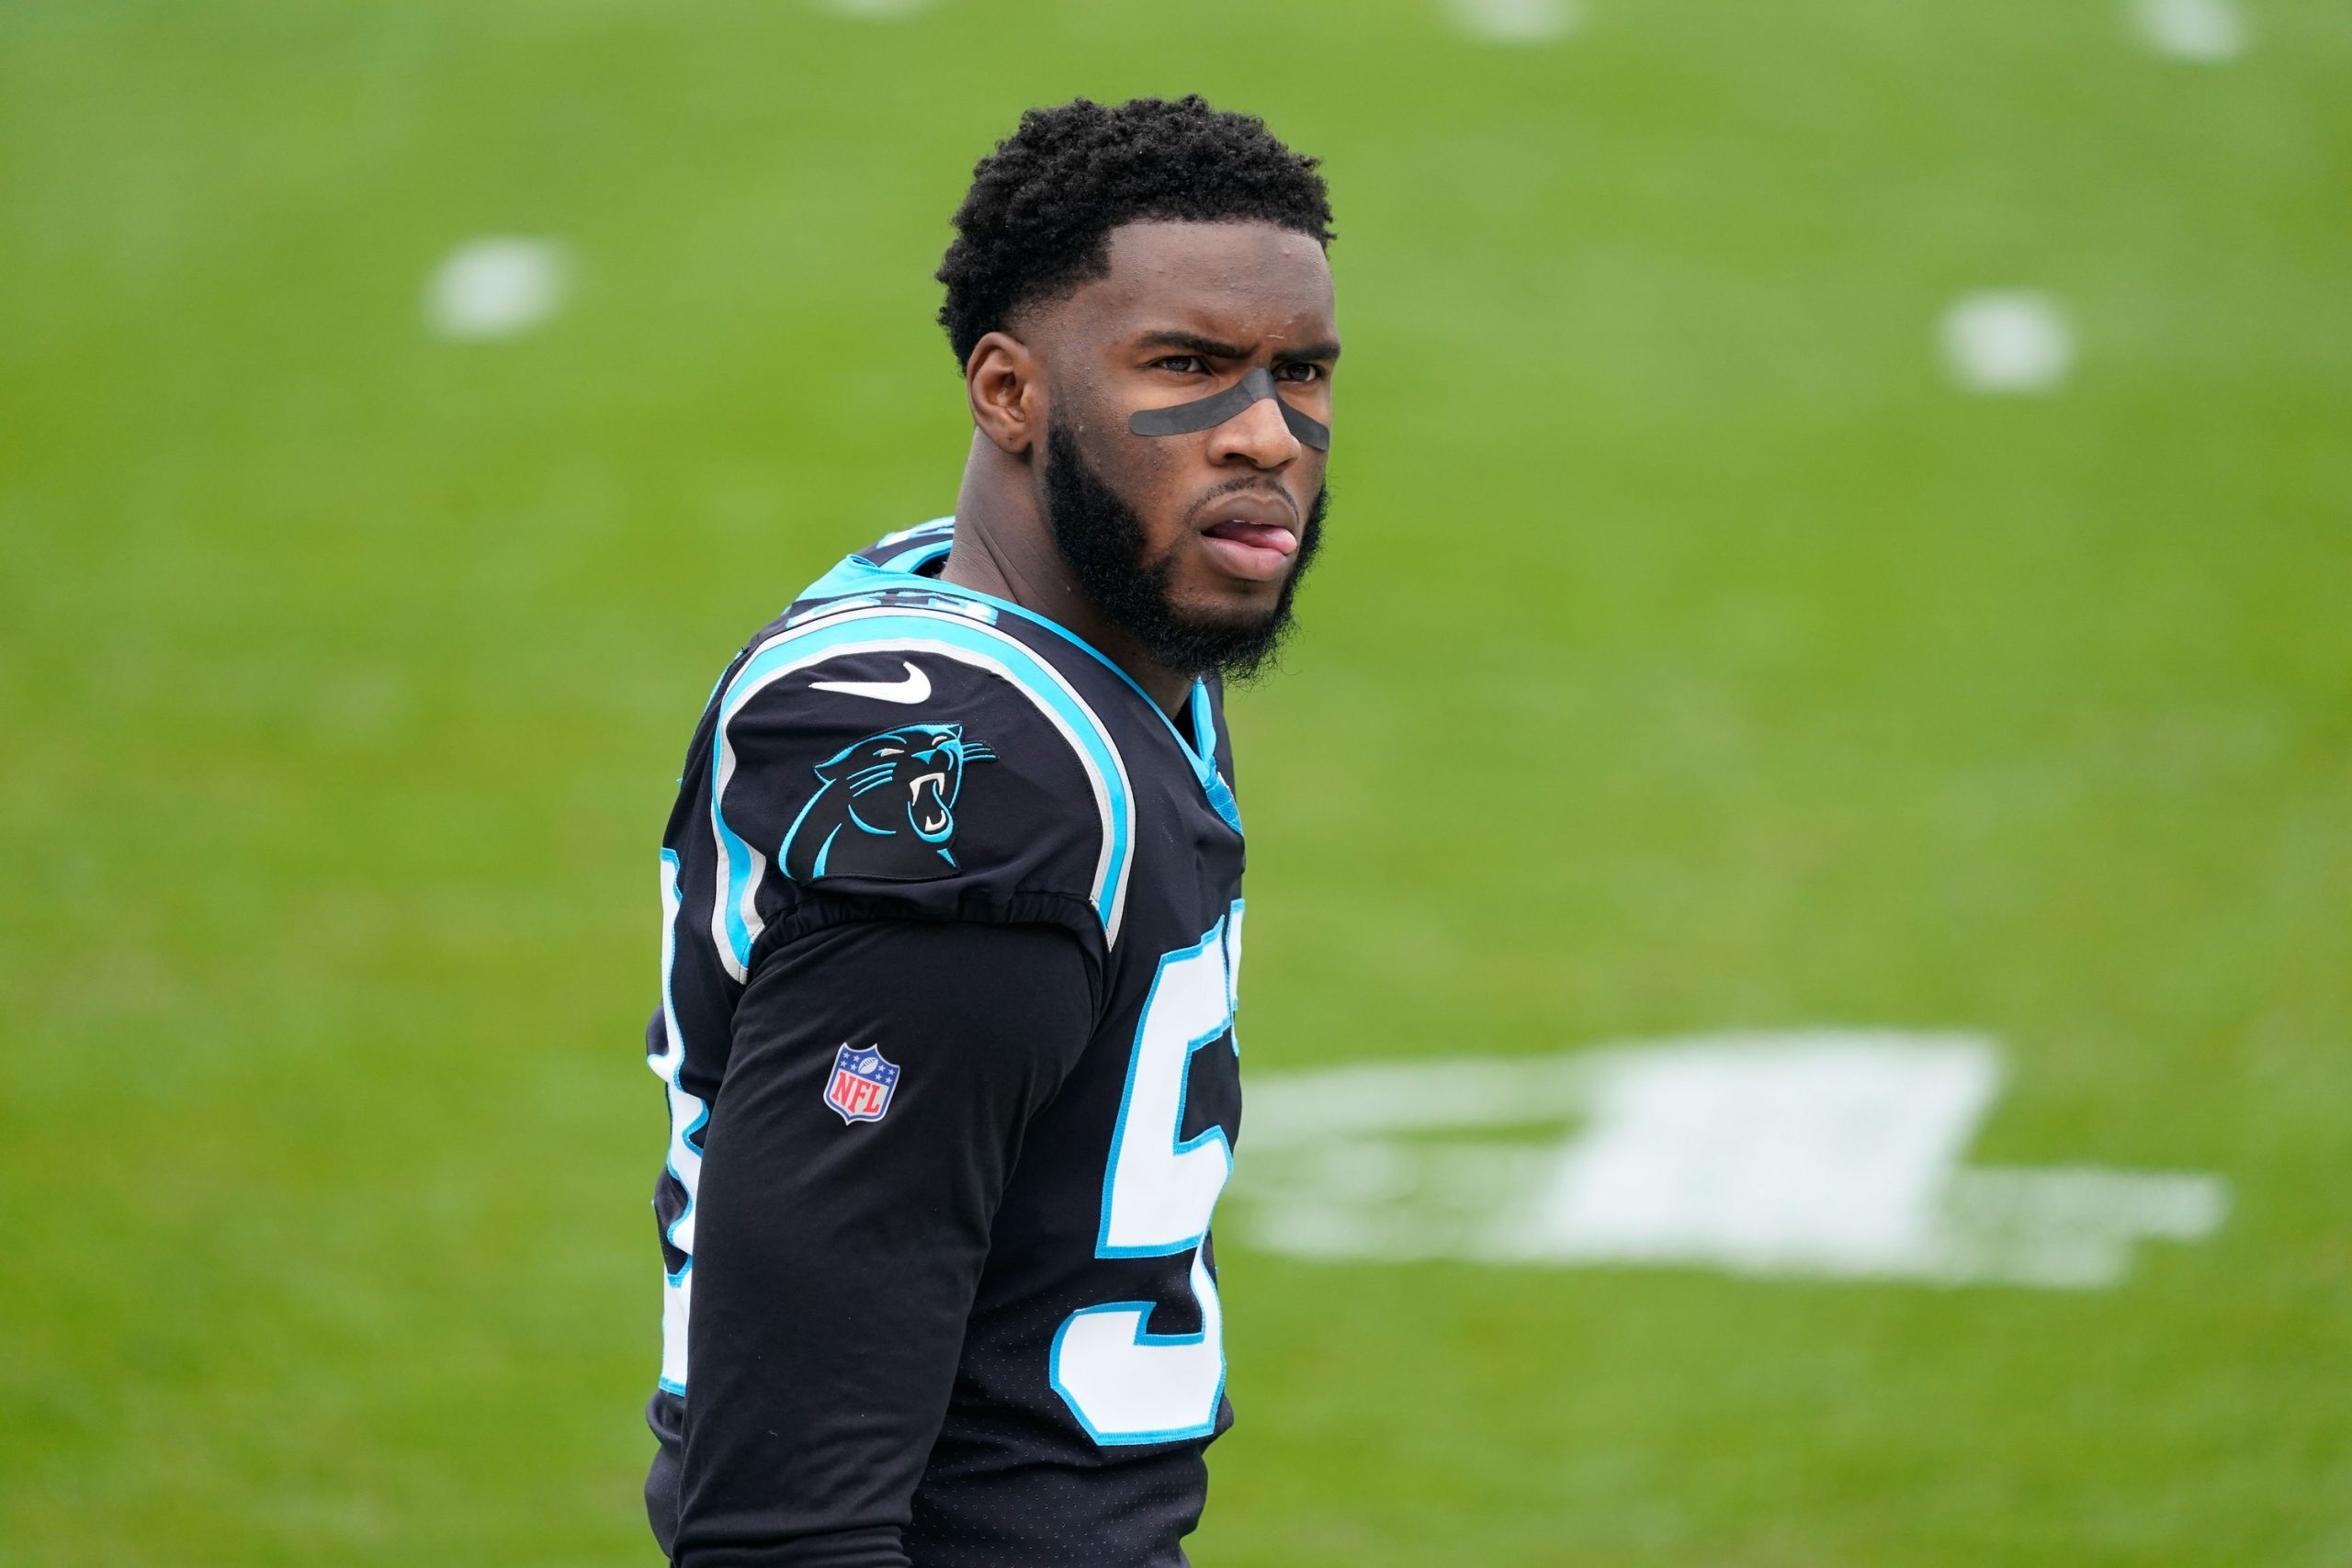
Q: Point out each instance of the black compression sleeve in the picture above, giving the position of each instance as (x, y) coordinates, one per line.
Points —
(834, 1263)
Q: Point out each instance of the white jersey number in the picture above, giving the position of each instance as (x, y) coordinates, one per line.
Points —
(1124, 1383)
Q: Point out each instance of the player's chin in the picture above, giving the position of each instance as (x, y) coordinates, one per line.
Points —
(1217, 601)
(1223, 620)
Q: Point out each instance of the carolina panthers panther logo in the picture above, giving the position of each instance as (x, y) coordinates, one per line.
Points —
(886, 808)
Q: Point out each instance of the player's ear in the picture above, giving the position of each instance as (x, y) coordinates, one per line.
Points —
(1003, 382)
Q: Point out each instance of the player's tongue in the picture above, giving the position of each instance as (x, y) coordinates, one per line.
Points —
(1253, 549)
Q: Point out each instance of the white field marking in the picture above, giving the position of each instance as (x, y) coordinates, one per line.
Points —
(1825, 1153)
(1518, 21)
(875, 10)
(2007, 341)
(496, 288)
(2209, 32)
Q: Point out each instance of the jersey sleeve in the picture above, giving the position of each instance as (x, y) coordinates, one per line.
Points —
(910, 768)
(882, 1075)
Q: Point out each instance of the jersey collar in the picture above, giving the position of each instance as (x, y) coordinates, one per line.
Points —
(928, 542)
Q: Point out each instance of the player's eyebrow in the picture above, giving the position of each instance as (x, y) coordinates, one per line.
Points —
(1191, 342)
(1213, 348)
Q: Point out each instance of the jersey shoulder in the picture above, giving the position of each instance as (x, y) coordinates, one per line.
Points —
(890, 745)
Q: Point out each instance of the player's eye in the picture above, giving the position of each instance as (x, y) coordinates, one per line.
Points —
(1184, 364)
(1301, 371)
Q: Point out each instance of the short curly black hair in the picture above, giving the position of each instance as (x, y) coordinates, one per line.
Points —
(1038, 218)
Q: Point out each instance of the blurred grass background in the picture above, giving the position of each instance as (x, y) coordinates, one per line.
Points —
(1689, 654)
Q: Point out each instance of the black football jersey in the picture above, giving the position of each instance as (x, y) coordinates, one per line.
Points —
(952, 924)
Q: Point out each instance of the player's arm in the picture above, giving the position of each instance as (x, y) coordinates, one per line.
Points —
(835, 1260)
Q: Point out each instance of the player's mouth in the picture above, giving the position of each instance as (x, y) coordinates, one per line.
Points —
(1252, 537)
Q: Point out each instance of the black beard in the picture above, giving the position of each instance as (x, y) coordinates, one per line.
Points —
(1102, 539)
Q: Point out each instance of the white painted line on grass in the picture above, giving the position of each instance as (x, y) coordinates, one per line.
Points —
(1832, 1154)
(875, 10)
(2209, 32)
(2011, 342)
(1517, 21)
(496, 287)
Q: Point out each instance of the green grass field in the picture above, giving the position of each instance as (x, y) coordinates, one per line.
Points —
(1690, 654)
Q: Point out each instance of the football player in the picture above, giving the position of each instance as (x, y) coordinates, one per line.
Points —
(952, 899)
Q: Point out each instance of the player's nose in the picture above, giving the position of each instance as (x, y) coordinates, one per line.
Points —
(1257, 435)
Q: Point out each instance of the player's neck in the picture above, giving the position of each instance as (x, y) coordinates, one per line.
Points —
(1003, 547)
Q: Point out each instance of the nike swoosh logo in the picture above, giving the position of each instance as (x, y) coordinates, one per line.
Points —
(915, 688)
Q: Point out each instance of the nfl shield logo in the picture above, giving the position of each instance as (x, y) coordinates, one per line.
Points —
(862, 1082)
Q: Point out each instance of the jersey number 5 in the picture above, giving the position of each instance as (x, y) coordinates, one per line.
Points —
(1124, 1383)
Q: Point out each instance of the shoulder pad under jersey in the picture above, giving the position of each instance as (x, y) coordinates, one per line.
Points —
(916, 758)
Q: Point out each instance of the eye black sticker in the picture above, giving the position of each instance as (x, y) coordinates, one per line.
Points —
(1202, 413)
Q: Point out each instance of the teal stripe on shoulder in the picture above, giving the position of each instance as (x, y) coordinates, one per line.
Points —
(950, 636)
